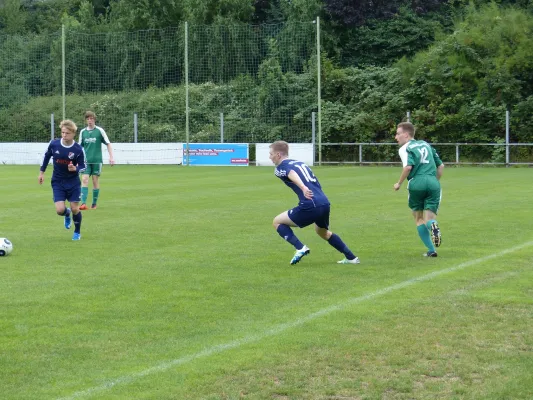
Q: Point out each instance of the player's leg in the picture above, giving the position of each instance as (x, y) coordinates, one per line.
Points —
(334, 240)
(431, 208)
(60, 195)
(74, 196)
(85, 186)
(97, 170)
(417, 196)
(423, 233)
(283, 223)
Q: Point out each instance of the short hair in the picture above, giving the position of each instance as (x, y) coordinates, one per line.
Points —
(89, 114)
(70, 125)
(407, 127)
(280, 147)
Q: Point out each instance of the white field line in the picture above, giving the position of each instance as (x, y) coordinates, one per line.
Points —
(283, 327)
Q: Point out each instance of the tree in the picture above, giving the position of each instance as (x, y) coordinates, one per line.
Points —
(13, 17)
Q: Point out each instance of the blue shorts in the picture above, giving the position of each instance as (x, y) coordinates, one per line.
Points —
(67, 189)
(305, 217)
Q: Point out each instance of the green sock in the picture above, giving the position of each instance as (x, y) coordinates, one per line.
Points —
(84, 194)
(424, 235)
(96, 192)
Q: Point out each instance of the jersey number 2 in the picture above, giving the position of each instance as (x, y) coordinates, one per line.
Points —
(423, 155)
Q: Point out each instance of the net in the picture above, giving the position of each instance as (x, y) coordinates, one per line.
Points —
(246, 84)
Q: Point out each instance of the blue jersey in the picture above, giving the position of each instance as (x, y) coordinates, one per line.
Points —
(63, 156)
(308, 178)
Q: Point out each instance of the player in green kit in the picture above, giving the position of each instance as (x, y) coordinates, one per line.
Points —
(91, 139)
(422, 167)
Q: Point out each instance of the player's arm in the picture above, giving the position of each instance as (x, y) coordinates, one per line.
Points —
(111, 155)
(438, 163)
(295, 178)
(440, 170)
(407, 162)
(80, 162)
(107, 142)
(403, 176)
(46, 160)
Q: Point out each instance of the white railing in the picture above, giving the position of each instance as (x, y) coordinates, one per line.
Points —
(467, 160)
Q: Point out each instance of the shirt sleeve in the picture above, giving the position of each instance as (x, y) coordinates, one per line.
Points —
(403, 155)
(436, 157)
(46, 158)
(80, 161)
(105, 139)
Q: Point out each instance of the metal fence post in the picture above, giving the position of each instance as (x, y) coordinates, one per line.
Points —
(457, 153)
(52, 126)
(221, 127)
(507, 138)
(135, 128)
(313, 133)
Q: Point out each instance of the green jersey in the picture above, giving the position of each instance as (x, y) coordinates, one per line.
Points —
(421, 156)
(91, 141)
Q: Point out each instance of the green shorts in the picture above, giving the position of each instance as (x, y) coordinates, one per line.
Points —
(93, 169)
(424, 193)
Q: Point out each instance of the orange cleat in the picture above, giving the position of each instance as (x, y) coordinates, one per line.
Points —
(83, 207)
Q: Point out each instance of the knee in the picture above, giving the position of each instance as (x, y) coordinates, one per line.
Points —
(323, 233)
(60, 212)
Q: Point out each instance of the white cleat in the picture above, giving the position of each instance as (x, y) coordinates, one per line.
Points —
(300, 254)
(346, 261)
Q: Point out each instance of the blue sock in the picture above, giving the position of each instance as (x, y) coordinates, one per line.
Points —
(338, 244)
(423, 232)
(77, 222)
(287, 234)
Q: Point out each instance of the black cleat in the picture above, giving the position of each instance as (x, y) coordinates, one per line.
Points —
(435, 234)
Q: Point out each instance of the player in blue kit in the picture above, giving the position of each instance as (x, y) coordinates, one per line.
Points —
(313, 205)
(69, 160)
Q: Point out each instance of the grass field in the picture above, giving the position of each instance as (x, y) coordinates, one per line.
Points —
(181, 289)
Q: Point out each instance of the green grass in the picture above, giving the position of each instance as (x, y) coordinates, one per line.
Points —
(180, 289)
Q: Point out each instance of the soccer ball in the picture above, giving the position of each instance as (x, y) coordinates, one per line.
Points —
(6, 247)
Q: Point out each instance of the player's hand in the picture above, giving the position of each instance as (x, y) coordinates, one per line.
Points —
(41, 179)
(71, 167)
(308, 193)
(112, 162)
(397, 186)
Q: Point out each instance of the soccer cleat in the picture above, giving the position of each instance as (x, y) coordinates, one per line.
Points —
(435, 234)
(68, 219)
(76, 236)
(93, 207)
(430, 254)
(83, 206)
(299, 254)
(346, 261)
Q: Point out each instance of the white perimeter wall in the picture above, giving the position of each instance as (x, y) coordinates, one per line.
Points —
(298, 151)
(142, 153)
(125, 153)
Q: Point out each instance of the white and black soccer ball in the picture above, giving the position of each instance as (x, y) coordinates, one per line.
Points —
(6, 247)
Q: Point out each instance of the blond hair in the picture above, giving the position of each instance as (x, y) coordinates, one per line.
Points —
(280, 147)
(70, 125)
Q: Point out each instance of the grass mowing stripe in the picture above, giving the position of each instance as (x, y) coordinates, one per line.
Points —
(283, 327)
